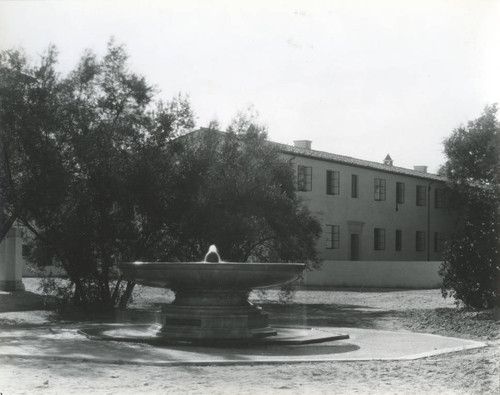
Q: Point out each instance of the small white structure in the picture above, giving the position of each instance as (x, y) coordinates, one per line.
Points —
(11, 261)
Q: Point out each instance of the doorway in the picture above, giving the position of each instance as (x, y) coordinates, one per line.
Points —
(354, 256)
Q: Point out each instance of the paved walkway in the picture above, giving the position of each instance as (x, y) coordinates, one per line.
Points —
(65, 342)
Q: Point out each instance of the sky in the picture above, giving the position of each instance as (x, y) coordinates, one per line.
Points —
(362, 78)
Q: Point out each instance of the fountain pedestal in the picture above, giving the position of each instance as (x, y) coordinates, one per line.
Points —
(214, 322)
(212, 314)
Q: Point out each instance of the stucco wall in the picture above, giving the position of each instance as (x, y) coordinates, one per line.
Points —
(383, 274)
(366, 213)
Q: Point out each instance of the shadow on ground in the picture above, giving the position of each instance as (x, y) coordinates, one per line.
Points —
(330, 315)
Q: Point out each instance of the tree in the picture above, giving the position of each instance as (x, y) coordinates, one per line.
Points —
(73, 151)
(471, 267)
(236, 191)
(25, 105)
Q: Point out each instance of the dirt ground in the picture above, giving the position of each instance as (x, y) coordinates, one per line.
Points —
(468, 372)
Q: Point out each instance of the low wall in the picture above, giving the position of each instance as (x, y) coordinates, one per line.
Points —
(380, 274)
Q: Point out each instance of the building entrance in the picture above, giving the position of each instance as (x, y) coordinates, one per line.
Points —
(354, 256)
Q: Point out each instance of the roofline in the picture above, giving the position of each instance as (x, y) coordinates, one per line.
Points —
(341, 159)
(347, 160)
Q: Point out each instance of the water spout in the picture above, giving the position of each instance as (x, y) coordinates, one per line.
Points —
(212, 255)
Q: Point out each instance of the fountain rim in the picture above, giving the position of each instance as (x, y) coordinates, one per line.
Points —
(214, 263)
(180, 275)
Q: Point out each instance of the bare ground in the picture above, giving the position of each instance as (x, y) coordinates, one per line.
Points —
(468, 372)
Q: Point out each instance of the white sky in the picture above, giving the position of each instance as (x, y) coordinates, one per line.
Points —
(358, 78)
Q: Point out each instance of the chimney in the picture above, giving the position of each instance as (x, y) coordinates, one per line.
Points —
(302, 144)
(421, 169)
(388, 160)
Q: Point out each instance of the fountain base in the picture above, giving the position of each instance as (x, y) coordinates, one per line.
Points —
(212, 323)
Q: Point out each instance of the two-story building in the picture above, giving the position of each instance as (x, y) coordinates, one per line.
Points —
(383, 225)
(371, 211)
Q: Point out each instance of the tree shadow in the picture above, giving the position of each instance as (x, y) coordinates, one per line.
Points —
(327, 315)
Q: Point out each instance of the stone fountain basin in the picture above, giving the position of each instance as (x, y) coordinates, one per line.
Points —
(211, 276)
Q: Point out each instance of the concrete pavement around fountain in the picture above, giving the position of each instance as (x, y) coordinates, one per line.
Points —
(64, 342)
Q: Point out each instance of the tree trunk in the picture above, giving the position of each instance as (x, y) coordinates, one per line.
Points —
(126, 295)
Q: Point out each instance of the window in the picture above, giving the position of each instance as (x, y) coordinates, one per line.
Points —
(400, 192)
(304, 178)
(439, 198)
(379, 239)
(438, 242)
(420, 241)
(379, 189)
(399, 239)
(421, 195)
(332, 182)
(332, 236)
(354, 186)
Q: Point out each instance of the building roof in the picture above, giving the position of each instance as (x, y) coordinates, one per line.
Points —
(347, 160)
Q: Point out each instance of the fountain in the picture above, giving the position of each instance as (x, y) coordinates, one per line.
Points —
(211, 297)
(211, 308)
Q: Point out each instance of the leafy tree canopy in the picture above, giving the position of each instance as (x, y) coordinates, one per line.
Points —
(236, 191)
(70, 148)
